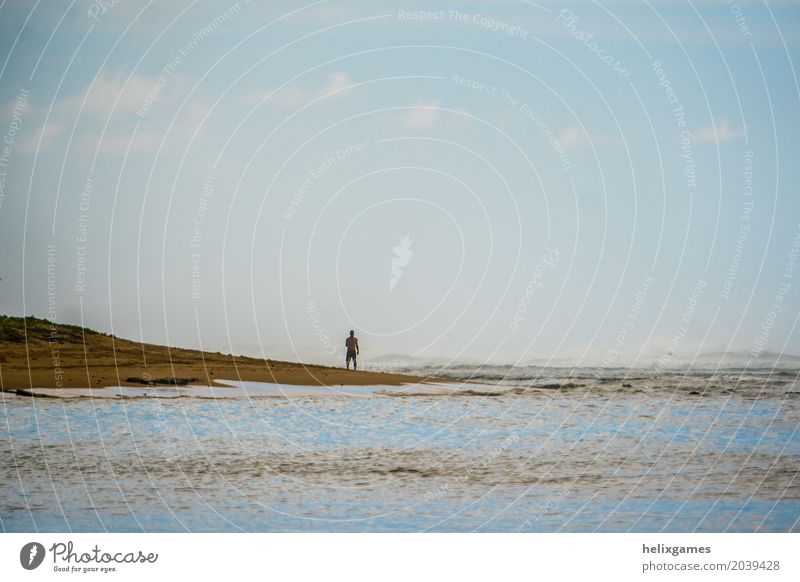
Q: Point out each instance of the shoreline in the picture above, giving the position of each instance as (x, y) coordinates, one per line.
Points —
(35, 353)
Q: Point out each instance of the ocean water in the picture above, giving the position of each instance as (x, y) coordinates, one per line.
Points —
(575, 450)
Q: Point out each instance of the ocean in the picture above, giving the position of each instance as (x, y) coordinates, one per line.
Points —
(519, 449)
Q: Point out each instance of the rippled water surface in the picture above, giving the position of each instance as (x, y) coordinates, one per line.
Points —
(639, 458)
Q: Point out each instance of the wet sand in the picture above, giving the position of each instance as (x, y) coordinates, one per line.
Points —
(36, 354)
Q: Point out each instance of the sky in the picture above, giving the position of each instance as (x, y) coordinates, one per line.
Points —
(504, 181)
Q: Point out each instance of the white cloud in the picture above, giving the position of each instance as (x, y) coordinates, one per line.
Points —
(421, 116)
(152, 133)
(42, 137)
(116, 142)
(719, 132)
(294, 95)
(572, 138)
(336, 82)
(117, 130)
(126, 96)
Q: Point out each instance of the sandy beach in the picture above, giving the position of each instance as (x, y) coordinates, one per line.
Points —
(37, 354)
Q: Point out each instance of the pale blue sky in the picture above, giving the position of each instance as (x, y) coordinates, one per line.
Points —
(552, 149)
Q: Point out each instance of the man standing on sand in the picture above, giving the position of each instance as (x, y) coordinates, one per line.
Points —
(351, 343)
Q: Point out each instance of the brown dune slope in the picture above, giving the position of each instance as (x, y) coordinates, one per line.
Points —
(34, 353)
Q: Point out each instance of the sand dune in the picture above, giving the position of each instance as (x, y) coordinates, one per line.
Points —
(34, 353)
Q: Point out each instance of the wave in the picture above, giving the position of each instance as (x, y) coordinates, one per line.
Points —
(528, 374)
(472, 381)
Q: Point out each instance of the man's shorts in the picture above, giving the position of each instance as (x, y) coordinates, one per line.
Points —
(351, 355)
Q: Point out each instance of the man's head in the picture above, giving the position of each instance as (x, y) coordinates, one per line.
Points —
(352, 333)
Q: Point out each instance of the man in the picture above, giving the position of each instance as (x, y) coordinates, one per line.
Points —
(351, 343)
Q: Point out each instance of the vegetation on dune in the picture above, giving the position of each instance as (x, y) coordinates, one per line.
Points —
(17, 329)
